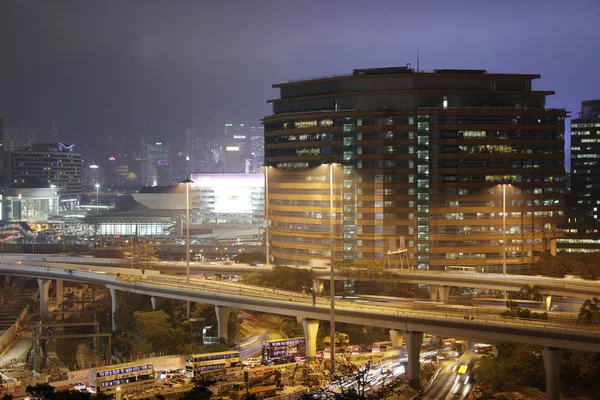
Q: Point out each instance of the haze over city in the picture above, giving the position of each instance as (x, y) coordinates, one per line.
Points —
(159, 68)
(298, 200)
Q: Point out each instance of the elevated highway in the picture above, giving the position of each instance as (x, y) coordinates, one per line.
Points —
(487, 327)
(575, 288)
(554, 336)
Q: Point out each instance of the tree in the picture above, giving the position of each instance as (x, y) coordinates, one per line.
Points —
(515, 364)
(144, 256)
(41, 391)
(281, 277)
(362, 376)
(530, 292)
(200, 391)
(583, 264)
(590, 312)
(514, 311)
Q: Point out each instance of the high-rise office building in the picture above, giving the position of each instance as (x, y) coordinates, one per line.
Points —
(235, 149)
(43, 165)
(156, 154)
(434, 157)
(257, 146)
(582, 227)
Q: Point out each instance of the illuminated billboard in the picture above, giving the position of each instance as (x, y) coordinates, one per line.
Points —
(229, 193)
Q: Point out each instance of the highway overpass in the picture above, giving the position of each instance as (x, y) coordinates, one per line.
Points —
(576, 288)
(552, 335)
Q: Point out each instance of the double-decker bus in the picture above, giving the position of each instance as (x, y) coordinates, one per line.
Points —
(121, 377)
(206, 363)
(284, 348)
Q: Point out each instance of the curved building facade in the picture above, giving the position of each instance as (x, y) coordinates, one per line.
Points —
(428, 156)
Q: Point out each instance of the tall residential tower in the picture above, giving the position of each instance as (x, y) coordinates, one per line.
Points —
(582, 229)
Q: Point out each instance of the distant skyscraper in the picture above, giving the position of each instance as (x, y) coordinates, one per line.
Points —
(44, 164)
(93, 174)
(257, 146)
(156, 154)
(582, 230)
(180, 167)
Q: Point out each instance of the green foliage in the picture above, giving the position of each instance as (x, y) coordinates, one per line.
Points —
(200, 391)
(247, 258)
(514, 311)
(45, 391)
(286, 278)
(530, 292)
(590, 312)
(581, 370)
(515, 364)
(151, 331)
(585, 265)
(129, 303)
(144, 256)
(361, 390)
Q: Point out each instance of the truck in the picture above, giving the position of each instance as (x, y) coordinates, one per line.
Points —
(263, 386)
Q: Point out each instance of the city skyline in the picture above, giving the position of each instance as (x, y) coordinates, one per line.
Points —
(162, 69)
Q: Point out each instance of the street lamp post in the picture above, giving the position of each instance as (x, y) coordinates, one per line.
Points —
(97, 195)
(267, 261)
(187, 182)
(332, 277)
(63, 248)
(504, 229)
(187, 228)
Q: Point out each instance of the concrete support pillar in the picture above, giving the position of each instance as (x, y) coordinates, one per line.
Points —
(552, 361)
(311, 326)
(59, 291)
(113, 298)
(44, 285)
(396, 337)
(548, 302)
(443, 293)
(433, 292)
(318, 286)
(222, 320)
(7, 279)
(153, 302)
(553, 247)
(414, 340)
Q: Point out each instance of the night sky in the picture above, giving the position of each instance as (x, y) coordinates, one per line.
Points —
(131, 66)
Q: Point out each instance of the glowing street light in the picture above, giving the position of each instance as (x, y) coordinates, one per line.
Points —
(187, 228)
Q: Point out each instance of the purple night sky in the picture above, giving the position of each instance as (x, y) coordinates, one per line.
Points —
(159, 67)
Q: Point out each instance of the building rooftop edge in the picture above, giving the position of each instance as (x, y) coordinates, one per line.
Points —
(401, 72)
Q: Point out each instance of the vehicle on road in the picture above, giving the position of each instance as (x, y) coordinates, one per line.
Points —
(263, 386)
(206, 363)
(252, 362)
(80, 386)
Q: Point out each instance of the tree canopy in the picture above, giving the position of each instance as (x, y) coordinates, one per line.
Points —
(45, 391)
(281, 277)
(585, 265)
(590, 312)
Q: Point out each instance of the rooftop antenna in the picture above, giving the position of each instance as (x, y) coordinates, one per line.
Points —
(418, 59)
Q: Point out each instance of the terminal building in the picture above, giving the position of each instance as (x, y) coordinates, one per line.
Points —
(221, 205)
(582, 227)
(433, 157)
